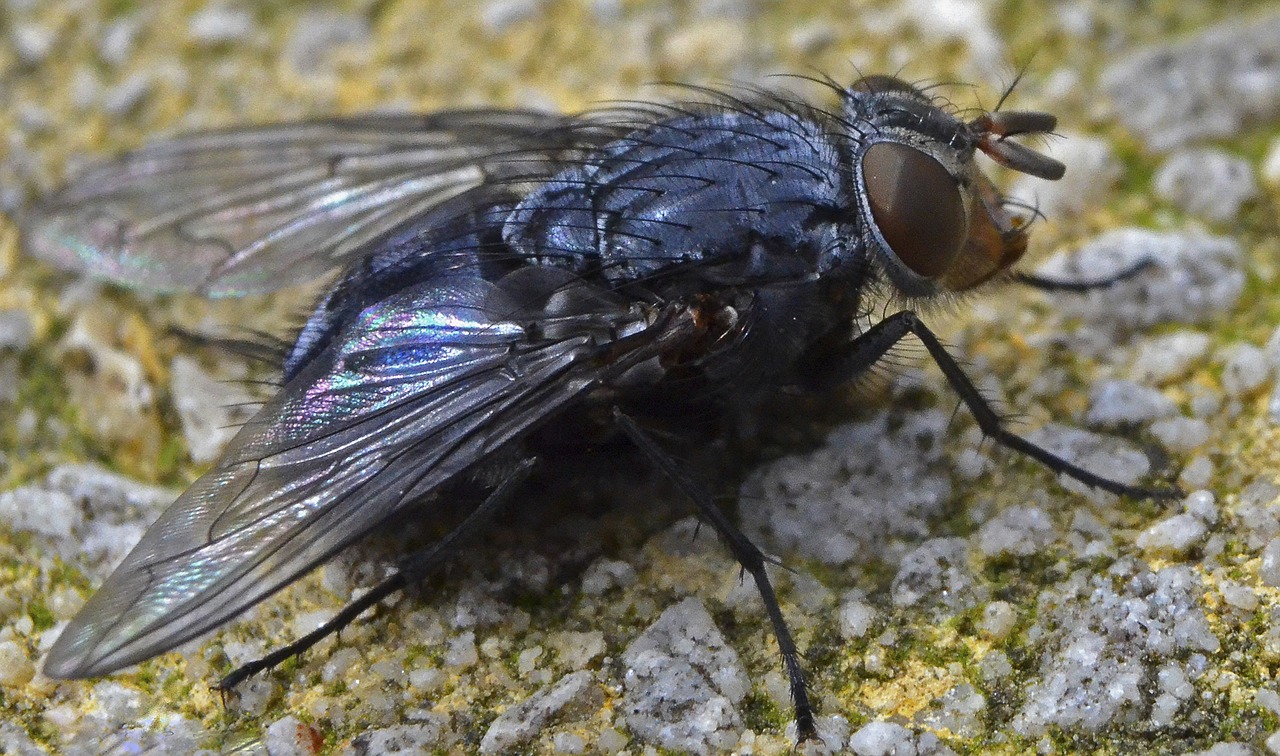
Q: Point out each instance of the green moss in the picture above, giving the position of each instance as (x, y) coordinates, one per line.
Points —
(761, 714)
(40, 615)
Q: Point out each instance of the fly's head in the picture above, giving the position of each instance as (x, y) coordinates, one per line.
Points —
(935, 222)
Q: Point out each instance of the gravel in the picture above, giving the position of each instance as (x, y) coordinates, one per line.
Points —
(684, 683)
(1210, 183)
(220, 24)
(949, 598)
(871, 482)
(1117, 403)
(1210, 85)
(524, 721)
(1192, 278)
(211, 408)
(1098, 643)
(1162, 359)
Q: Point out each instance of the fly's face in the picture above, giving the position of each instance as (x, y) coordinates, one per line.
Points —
(934, 221)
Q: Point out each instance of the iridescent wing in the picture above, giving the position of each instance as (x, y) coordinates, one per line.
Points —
(250, 210)
(415, 390)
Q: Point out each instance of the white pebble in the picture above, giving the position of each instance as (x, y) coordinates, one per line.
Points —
(210, 409)
(16, 329)
(1197, 473)
(856, 618)
(1269, 571)
(604, 574)
(117, 42)
(1094, 171)
(1202, 506)
(50, 513)
(567, 742)
(339, 664)
(1240, 596)
(218, 24)
(461, 651)
(1271, 163)
(998, 619)
(1177, 534)
(16, 669)
(1181, 434)
(124, 97)
(1166, 358)
(1207, 182)
(611, 741)
(316, 34)
(1272, 348)
(995, 666)
(1268, 699)
(527, 661)
(498, 15)
(1205, 402)
(1164, 709)
(426, 679)
(1174, 681)
(1245, 367)
(289, 736)
(1120, 402)
(1017, 531)
(32, 43)
(1194, 277)
(882, 739)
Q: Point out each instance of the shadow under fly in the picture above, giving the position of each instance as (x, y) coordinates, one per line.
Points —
(509, 277)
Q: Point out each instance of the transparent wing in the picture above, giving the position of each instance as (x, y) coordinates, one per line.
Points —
(250, 210)
(416, 389)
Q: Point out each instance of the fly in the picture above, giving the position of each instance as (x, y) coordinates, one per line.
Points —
(503, 269)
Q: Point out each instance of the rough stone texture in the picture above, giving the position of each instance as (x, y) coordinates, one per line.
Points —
(1208, 86)
(1245, 367)
(1103, 455)
(683, 683)
(887, 739)
(528, 718)
(870, 482)
(84, 511)
(997, 637)
(1118, 403)
(1193, 277)
(1212, 184)
(1165, 358)
(430, 733)
(211, 409)
(1017, 531)
(1099, 634)
(936, 574)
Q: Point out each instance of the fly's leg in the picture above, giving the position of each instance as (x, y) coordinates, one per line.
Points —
(1080, 287)
(412, 569)
(869, 347)
(747, 554)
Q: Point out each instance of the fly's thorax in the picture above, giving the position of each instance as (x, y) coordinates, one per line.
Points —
(726, 197)
(933, 222)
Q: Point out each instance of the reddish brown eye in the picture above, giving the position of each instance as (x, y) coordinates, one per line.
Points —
(916, 206)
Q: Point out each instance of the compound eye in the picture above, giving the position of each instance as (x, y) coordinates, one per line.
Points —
(916, 205)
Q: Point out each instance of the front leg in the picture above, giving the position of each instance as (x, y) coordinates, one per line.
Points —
(870, 347)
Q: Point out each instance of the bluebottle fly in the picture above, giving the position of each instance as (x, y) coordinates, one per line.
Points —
(501, 271)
